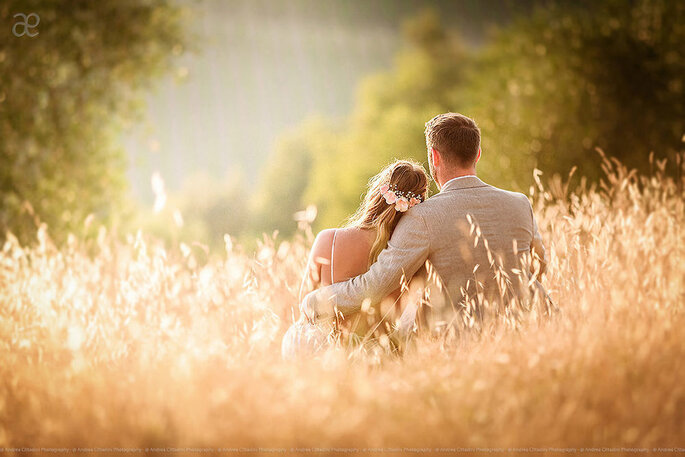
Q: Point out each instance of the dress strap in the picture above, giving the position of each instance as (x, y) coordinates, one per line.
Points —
(335, 233)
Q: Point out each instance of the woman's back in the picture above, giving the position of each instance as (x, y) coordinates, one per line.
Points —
(340, 254)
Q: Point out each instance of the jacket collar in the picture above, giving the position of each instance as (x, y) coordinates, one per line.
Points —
(463, 182)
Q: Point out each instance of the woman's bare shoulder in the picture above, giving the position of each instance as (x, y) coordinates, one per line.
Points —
(323, 242)
(356, 235)
(326, 234)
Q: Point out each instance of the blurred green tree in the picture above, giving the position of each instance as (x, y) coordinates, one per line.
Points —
(286, 176)
(65, 95)
(556, 85)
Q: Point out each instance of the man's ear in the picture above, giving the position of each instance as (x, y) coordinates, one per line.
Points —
(435, 155)
(478, 157)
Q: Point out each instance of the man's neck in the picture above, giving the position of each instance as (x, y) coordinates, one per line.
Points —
(456, 174)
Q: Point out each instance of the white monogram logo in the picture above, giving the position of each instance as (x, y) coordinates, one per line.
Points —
(27, 25)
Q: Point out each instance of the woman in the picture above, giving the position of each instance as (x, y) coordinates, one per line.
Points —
(343, 253)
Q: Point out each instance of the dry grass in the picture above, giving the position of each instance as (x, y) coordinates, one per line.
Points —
(127, 345)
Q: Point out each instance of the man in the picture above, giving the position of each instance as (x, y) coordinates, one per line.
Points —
(476, 236)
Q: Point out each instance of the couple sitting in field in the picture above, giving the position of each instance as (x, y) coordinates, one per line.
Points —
(476, 237)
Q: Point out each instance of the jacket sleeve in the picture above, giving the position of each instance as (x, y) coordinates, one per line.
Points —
(407, 251)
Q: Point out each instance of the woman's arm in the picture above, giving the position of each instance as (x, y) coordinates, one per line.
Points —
(318, 256)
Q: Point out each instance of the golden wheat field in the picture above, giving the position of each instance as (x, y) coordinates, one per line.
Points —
(125, 344)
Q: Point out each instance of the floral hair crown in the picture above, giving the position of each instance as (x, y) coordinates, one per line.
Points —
(401, 199)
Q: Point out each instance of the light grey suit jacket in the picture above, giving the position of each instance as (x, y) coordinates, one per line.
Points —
(468, 223)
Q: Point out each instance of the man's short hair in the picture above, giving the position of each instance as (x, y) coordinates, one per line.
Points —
(455, 136)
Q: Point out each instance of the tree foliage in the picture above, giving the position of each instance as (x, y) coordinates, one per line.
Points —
(555, 86)
(65, 95)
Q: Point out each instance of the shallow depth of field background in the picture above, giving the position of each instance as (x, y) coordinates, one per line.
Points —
(164, 166)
